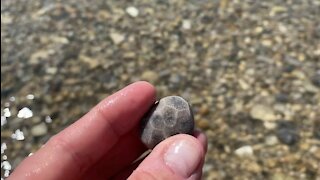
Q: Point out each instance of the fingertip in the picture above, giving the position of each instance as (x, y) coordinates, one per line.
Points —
(145, 86)
(178, 156)
(185, 155)
(197, 142)
(186, 137)
(143, 83)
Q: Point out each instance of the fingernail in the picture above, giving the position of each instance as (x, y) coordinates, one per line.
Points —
(183, 157)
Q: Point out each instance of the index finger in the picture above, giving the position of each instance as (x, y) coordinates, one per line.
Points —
(80, 145)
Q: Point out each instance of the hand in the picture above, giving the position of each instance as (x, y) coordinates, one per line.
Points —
(104, 143)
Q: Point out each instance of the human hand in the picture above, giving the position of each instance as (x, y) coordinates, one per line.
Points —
(105, 142)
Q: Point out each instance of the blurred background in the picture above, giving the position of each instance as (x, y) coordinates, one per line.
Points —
(250, 69)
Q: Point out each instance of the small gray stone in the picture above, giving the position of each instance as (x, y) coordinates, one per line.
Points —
(316, 80)
(287, 133)
(287, 136)
(170, 116)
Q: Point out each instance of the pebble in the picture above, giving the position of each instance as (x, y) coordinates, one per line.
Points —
(6, 19)
(287, 136)
(25, 113)
(175, 79)
(263, 112)
(266, 42)
(6, 165)
(316, 80)
(203, 124)
(308, 86)
(281, 176)
(48, 119)
(244, 151)
(6, 112)
(269, 125)
(36, 120)
(150, 76)
(258, 30)
(117, 38)
(91, 62)
(253, 167)
(30, 96)
(282, 98)
(132, 11)
(204, 109)
(271, 140)
(170, 116)
(3, 147)
(18, 135)
(39, 130)
(3, 120)
(186, 24)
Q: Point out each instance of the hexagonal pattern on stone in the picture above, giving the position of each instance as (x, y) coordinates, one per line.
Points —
(170, 116)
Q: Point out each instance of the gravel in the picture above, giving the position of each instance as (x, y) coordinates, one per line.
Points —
(226, 58)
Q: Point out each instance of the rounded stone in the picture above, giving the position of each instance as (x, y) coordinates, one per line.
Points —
(170, 116)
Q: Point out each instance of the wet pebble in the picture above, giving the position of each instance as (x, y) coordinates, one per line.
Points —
(271, 140)
(244, 151)
(132, 11)
(170, 116)
(117, 38)
(316, 80)
(39, 130)
(203, 124)
(262, 112)
(287, 135)
(150, 76)
(25, 113)
(282, 98)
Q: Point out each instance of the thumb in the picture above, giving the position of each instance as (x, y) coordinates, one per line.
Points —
(178, 157)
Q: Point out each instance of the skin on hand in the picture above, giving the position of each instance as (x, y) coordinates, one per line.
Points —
(104, 143)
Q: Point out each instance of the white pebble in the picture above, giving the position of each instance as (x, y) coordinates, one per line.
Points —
(18, 135)
(7, 104)
(12, 98)
(271, 140)
(6, 173)
(4, 157)
(30, 96)
(132, 11)
(6, 112)
(25, 113)
(3, 147)
(117, 38)
(6, 165)
(244, 151)
(48, 119)
(39, 130)
(269, 125)
(3, 120)
(262, 112)
(186, 24)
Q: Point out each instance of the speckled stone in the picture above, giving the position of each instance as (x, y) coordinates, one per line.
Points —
(170, 116)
